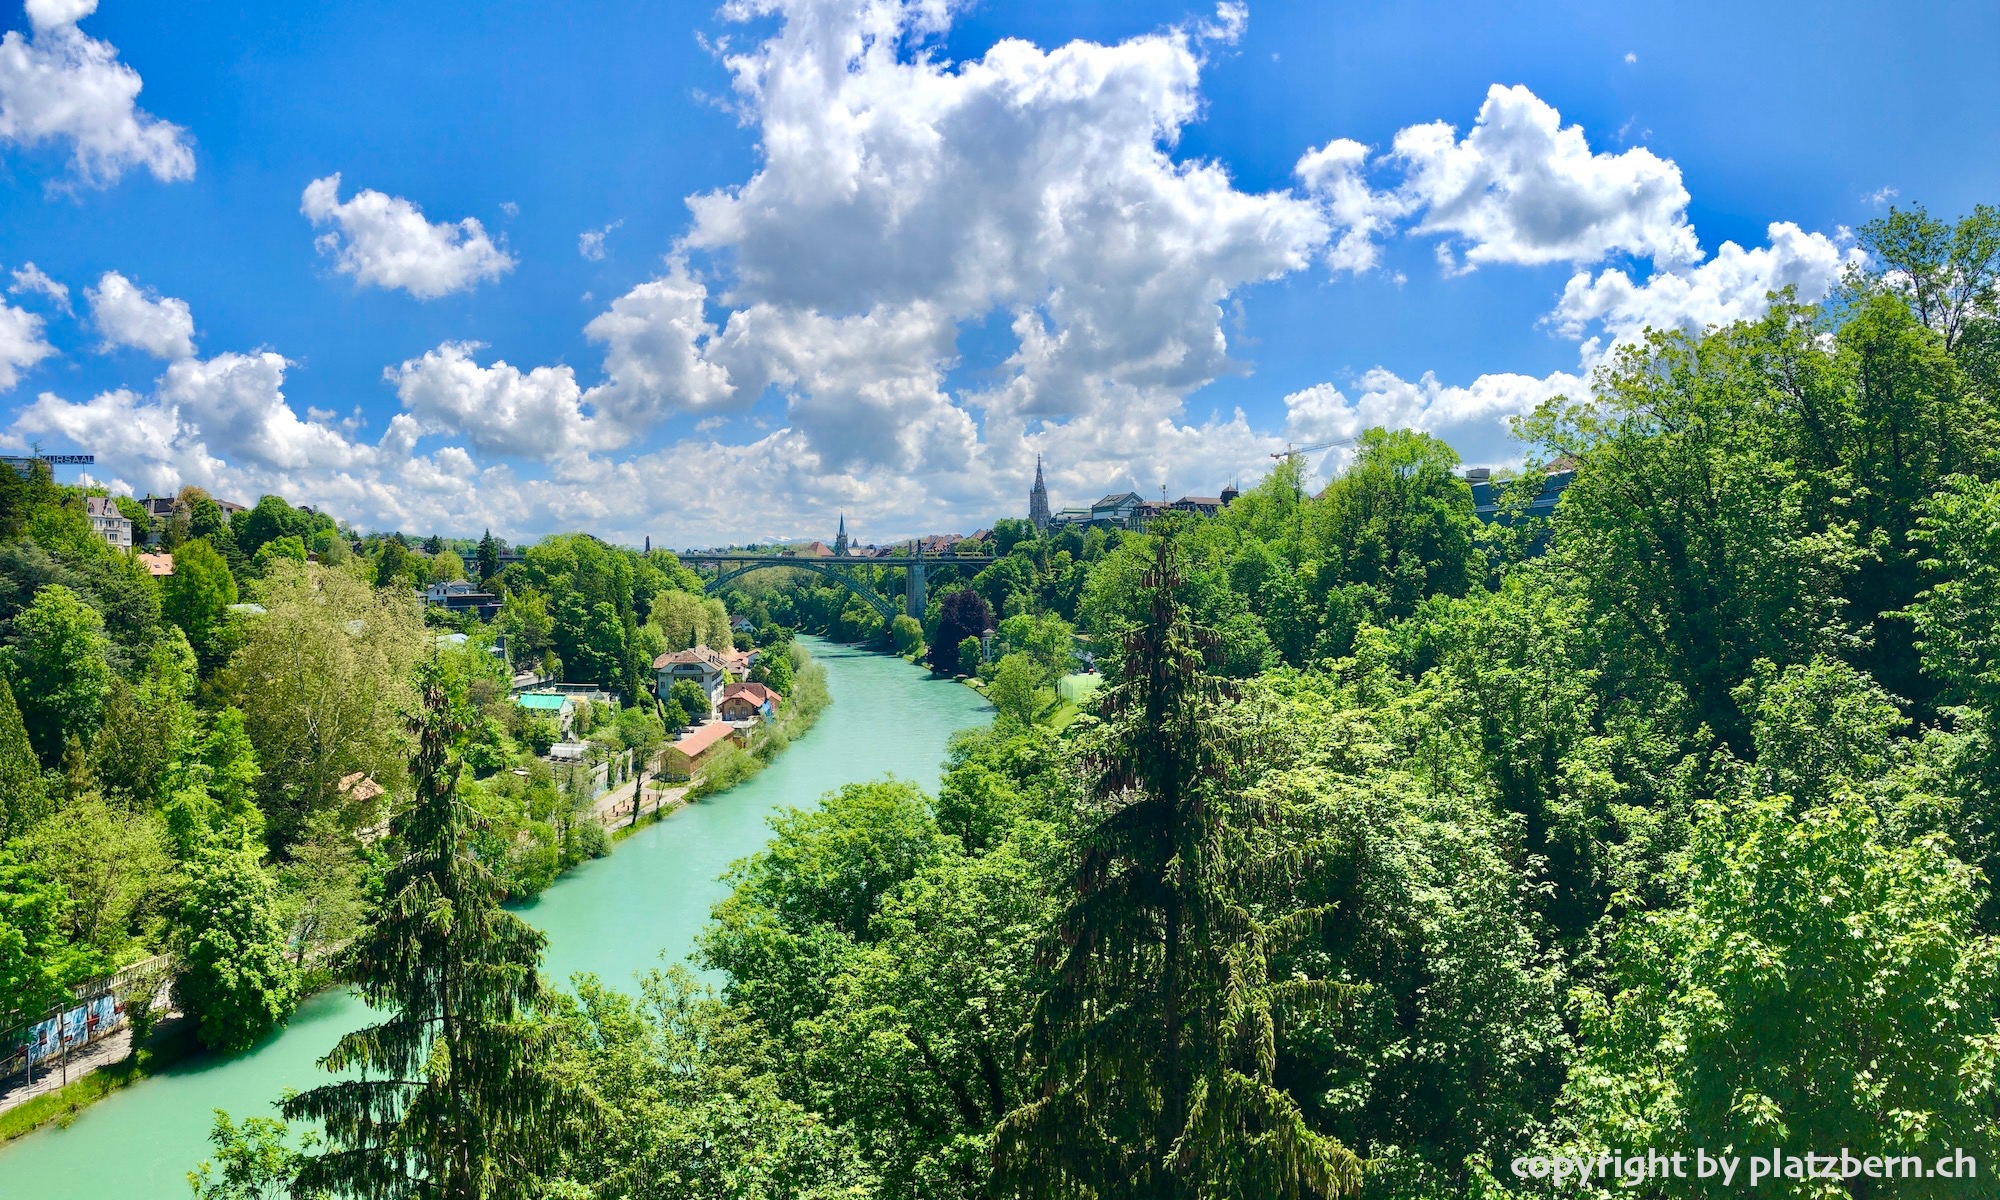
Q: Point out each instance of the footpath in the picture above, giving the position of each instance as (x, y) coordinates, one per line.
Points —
(614, 808)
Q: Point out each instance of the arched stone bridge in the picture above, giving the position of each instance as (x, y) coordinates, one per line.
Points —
(839, 570)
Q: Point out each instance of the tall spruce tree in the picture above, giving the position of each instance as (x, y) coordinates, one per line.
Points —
(450, 1099)
(1154, 1037)
(489, 556)
(23, 801)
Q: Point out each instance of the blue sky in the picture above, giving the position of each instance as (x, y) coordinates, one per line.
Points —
(925, 242)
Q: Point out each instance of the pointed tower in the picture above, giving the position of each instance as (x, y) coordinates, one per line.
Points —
(840, 539)
(1038, 501)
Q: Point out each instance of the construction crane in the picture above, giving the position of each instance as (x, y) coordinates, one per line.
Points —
(1291, 451)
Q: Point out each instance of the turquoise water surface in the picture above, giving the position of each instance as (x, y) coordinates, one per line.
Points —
(616, 917)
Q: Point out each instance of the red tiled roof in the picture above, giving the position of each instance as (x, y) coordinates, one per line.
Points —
(157, 564)
(701, 738)
(756, 691)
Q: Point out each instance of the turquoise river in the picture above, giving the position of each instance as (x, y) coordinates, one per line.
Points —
(616, 917)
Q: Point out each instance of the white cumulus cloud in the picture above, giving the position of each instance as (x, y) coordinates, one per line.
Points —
(1730, 287)
(502, 410)
(59, 85)
(127, 315)
(21, 344)
(1521, 188)
(384, 241)
(29, 278)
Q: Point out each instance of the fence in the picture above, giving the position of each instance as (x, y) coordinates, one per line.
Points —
(95, 1010)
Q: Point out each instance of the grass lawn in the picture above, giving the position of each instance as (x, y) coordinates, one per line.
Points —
(62, 1105)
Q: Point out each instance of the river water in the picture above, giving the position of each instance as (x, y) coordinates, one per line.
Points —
(616, 917)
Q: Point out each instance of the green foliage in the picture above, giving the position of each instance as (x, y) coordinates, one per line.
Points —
(319, 678)
(58, 670)
(233, 977)
(454, 1098)
(908, 635)
(38, 962)
(1152, 1041)
(196, 598)
(774, 670)
(22, 800)
(1729, 1023)
(691, 698)
(257, 1161)
(1016, 689)
(969, 656)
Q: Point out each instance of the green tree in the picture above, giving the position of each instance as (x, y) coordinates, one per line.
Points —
(59, 671)
(1399, 523)
(234, 977)
(22, 798)
(908, 634)
(269, 520)
(1947, 273)
(524, 619)
(38, 962)
(453, 1099)
(1153, 1039)
(1701, 546)
(1817, 987)
(319, 679)
(148, 727)
(112, 866)
(447, 566)
(1016, 689)
(196, 598)
(256, 1161)
(691, 698)
(774, 670)
(319, 889)
(488, 561)
(288, 548)
(968, 656)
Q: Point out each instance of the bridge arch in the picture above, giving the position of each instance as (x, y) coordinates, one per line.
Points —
(869, 595)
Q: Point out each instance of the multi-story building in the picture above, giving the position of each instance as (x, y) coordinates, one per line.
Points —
(107, 522)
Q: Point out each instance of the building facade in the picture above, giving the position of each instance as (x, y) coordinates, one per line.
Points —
(107, 522)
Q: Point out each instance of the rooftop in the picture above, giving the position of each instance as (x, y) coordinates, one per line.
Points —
(702, 737)
(541, 701)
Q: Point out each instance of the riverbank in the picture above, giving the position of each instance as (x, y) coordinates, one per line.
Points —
(635, 910)
(92, 1075)
(110, 1065)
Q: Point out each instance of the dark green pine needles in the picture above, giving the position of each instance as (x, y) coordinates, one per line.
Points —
(449, 1098)
(1153, 1043)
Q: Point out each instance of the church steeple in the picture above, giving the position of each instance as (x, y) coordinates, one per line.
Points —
(840, 539)
(1038, 501)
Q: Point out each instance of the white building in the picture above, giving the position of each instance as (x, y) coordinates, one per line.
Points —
(107, 522)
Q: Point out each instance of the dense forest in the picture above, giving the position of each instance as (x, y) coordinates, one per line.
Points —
(1397, 850)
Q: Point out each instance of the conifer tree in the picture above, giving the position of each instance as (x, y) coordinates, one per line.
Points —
(1153, 1041)
(22, 798)
(449, 1097)
(489, 556)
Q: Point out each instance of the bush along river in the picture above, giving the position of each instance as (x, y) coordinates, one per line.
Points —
(615, 917)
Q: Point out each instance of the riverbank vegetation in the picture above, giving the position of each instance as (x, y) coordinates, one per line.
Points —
(800, 711)
(1398, 847)
(203, 763)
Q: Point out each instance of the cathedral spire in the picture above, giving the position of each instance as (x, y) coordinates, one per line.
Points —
(1038, 501)
(840, 539)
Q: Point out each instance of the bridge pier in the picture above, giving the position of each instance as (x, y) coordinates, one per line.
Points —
(915, 600)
